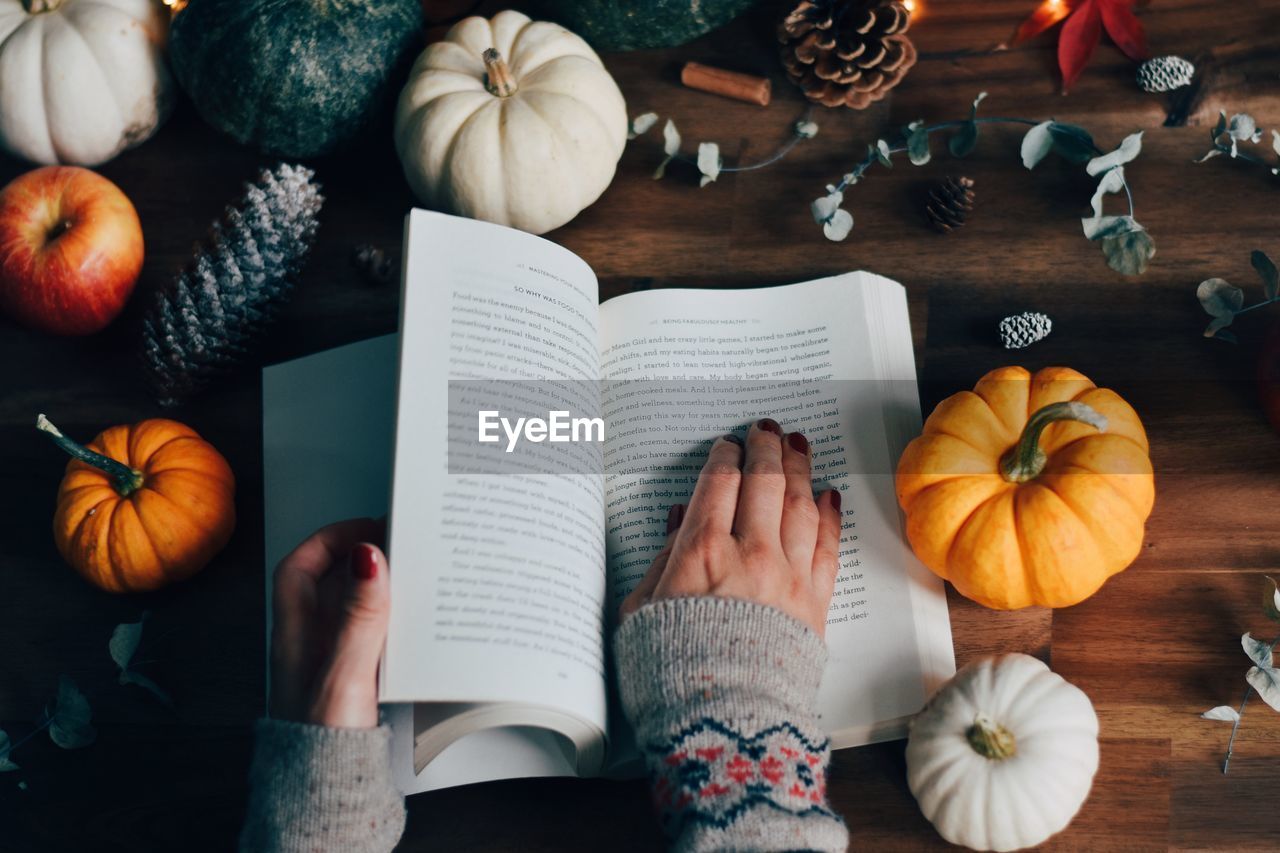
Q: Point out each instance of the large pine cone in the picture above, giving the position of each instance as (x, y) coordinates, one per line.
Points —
(849, 52)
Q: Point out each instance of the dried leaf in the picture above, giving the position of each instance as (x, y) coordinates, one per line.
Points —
(1042, 18)
(1258, 651)
(1037, 144)
(1077, 41)
(1072, 142)
(838, 226)
(1267, 682)
(1126, 151)
(1267, 271)
(5, 764)
(1271, 599)
(641, 124)
(1219, 297)
(1129, 253)
(70, 726)
(670, 139)
(918, 144)
(124, 642)
(1225, 713)
(708, 162)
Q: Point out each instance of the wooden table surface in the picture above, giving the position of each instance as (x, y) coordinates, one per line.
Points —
(1156, 646)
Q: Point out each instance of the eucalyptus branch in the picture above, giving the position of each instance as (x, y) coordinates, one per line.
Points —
(1125, 243)
(1228, 134)
(1224, 301)
(708, 161)
(1262, 678)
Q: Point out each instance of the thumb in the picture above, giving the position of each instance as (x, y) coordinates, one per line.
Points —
(347, 693)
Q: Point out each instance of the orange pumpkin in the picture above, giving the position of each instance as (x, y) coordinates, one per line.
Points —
(142, 506)
(1028, 490)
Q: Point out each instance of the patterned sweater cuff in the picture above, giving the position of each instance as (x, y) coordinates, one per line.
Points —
(319, 788)
(721, 694)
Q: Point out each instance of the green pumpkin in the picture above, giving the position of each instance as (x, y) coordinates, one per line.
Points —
(640, 24)
(294, 78)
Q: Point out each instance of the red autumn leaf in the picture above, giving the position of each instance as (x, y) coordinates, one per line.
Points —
(1079, 38)
(1125, 29)
(1045, 16)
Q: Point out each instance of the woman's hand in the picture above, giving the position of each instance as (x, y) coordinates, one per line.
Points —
(752, 531)
(331, 603)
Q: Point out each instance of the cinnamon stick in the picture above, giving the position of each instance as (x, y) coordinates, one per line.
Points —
(730, 84)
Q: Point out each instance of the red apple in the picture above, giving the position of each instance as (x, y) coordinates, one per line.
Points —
(70, 250)
(1269, 376)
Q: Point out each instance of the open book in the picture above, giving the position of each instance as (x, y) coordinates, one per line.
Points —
(505, 586)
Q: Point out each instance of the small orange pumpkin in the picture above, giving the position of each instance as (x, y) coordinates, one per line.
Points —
(142, 506)
(1028, 490)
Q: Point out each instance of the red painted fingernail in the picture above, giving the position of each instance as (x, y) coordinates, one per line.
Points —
(798, 442)
(364, 562)
(675, 516)
(732, 439)
(769, 425)
(835, 499)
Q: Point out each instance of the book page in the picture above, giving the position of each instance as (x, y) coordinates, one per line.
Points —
(826, 358)
(497, 581)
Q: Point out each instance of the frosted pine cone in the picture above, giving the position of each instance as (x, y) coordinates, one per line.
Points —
(1023, 330)
(1165, 73)
(206, 322)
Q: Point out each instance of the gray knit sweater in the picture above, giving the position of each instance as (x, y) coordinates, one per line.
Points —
(721, 696)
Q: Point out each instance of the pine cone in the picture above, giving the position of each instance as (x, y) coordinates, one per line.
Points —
(849, 52)
(373, 264)
(1165, 73)
(205, 322)
(949, 203)
(1023, 330)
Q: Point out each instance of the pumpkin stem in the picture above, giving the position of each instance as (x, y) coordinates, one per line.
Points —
(35, 7)
(990, 739)
(1025, 460)
(497, 79)
(127, 480)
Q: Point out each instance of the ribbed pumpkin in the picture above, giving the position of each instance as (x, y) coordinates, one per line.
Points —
(295, 79)
(142, 506)
(1028, 490)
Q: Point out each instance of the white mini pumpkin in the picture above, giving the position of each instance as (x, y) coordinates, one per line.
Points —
(81, 80)
(512, 121)
(1004, 754)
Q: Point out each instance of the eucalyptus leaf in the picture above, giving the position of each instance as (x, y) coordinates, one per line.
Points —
(1271, 599)
(1112, 182)
(1209, 155)
(659, 172)
(70, 726)
(5, 764)
(1072, 142)
(1216, 326)
(1127, 150)
(964, 140)
(1258, 651)
(1267, 271)
(670, 139)
(1219, 297)
(918, 144)
(883, 153)
(1229, 337)
(824, 208)
(806, 129)
(708, 162)
(1218, 128)
(1275, 141)
(1243, 128)
(1225, 713)
(124, 642)
(1037, 144)
(130, 677)
(1128, 253)
(641, 124)
(1098, 227)
(838, 226)
(1267, 682)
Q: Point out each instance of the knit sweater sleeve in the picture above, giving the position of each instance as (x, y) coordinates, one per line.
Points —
(318, 788)
(721, 694)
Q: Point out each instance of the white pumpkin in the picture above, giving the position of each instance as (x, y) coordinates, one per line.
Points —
(81, 80)
(1003, 755)
(512, 121)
